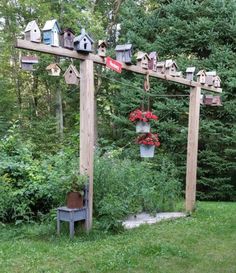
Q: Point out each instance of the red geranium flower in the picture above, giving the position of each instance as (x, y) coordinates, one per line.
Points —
(149, 139)
(138, 115)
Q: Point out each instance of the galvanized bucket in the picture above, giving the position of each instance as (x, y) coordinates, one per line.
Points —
(147, 150)
(142, 127)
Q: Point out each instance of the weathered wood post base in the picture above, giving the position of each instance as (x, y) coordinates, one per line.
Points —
(87, 130)
(193, 128)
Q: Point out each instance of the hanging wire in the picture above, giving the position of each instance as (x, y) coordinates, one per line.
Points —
(137, 88)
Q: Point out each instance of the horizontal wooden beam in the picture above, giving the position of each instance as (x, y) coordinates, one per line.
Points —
(59, 51)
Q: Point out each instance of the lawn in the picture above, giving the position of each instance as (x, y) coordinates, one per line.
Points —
(203, 243)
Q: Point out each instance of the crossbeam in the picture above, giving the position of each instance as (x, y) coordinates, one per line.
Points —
(59, 51)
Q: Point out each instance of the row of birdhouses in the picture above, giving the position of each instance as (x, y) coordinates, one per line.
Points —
(83, 43)
(54, 36)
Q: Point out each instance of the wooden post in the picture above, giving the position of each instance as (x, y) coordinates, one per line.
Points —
(87, 129)
(193, 128)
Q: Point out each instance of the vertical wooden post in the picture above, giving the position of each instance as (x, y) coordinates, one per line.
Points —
(87, 129)
(192, 151)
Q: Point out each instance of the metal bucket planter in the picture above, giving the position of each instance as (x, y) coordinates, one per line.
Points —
(74, 200)
(142, 127)
(147, 150)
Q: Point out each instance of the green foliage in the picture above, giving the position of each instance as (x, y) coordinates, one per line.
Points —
(123, 187)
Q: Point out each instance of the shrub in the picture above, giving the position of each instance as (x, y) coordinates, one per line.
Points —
(123, 187)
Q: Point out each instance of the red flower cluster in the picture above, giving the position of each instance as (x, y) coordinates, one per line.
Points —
(138, 115)
(149, 139)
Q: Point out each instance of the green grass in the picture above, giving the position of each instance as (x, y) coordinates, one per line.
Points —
(203, 243)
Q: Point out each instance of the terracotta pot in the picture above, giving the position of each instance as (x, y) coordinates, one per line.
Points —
(74, 200)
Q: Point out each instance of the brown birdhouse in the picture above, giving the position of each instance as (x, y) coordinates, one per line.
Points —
(102, 48)
(72, 75)
(216, 101)
(27, 62)
(216, 81)
(201, 76)
(142, 59)
(190, 73)
(170, 67)
(207, 99)
(32, 32)
(53, 69)
(160, 67)
(152, 63)
(210, 77)
(67, 38)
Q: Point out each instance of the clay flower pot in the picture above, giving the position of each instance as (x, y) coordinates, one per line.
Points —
(74, 200)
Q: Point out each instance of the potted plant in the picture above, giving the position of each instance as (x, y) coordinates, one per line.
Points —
(74, 187)
(148, 142)
(142, 118)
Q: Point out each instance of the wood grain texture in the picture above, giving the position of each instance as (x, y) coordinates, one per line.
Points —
(87, 129)
(192, 151)
(59, 51)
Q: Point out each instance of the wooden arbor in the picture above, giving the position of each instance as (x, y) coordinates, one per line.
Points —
(87, 115)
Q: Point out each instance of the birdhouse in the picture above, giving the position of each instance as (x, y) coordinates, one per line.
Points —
(102, 48)
(124, 53)
(32, 32)
(170, 67)
(142, 59)
(207, 99)
(216, 101)
(53, 69)
(152, 63)
(190, 73)
(210, 77)
(27, 62)
(201, 76)
(67, 38)
(216, 81)
(83, 42)
(51, 33)
(72, 75)
(160, 67)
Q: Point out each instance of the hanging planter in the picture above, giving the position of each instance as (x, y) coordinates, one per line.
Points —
(147, 150)
(142, 127)
(148, 142)
(142, 118)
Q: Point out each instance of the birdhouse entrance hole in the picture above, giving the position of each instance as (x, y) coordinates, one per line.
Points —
(71, 71)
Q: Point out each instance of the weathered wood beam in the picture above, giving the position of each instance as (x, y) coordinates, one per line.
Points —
(87, 130)
(59, 51)
(192, 150)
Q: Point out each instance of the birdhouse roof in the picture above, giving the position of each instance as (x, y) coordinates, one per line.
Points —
(31, 25)
(30, 59)
(201, 72)
(141, 55)
(68, 30)
(211, 73)
(73, 68)
(52, 66)
(160, 64)
(218, 78)
(82, 35)
(152, 55)
(190, 69)
(123, 47)
(169, 63)
(102, 42)
(50, 24)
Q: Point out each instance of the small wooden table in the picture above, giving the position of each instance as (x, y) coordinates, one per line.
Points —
(71, 216)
